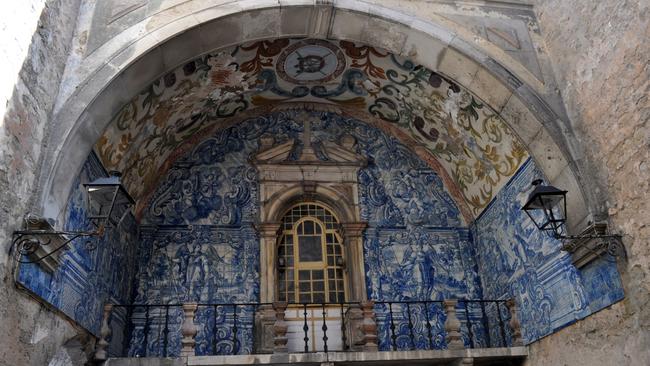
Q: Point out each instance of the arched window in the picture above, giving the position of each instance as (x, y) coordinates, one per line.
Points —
(310, 256)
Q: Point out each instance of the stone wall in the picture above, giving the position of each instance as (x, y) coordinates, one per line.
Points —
(601, 57)
(36, 39)
(17, 26)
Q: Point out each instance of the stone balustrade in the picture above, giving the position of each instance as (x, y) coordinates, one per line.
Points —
(452, 326)
(101, 348)
(188, 330)
(359, 327)
(280, 328)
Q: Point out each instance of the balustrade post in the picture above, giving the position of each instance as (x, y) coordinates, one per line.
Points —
(188, 330)
(280, 328)
(514, 323)
(369, 326)
(452, 326)
(101, 348)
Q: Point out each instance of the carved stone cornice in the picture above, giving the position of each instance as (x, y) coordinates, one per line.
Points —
(585, 247)
(353, 229)
(268, 230)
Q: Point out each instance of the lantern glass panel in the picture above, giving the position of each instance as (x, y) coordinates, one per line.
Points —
(546, 207)
(100, 201)
(548, 201)
(120, 208)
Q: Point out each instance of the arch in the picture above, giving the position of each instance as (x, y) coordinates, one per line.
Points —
(164, 40)
(279, 203)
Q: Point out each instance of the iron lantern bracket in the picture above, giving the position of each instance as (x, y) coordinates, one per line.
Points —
(42, 245)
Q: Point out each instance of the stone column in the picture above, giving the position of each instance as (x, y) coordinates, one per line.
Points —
(188, 329)
(280, 328)
(452, 326)
(268, 257)
(369, 327)
(264, 321)
(514, 323)
(354, 327)
(353, 240)
(101, 348)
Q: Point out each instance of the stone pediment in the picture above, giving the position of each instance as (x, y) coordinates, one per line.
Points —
(300, 160)
(333, 153)
(276, 154)
(326, 153)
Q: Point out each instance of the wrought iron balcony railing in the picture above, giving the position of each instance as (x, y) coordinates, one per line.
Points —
(173, 330)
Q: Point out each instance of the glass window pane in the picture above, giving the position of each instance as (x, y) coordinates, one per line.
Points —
(309, 248)
(305, 298)
(332, 285)
(332, 296)
(317, 275)
(303, 275)
(319, 297)
(309, 227)
(305, 286)
(319, 286)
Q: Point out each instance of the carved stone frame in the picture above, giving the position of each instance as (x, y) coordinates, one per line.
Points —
(284, 182)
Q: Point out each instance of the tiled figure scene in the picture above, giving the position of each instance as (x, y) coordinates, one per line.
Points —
(196, 241)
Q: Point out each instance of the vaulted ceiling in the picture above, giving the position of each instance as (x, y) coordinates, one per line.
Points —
(460, 137)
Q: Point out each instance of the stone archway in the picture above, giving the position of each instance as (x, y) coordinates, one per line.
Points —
(167, 39)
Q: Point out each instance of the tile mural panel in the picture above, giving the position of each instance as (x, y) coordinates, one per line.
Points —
(196, 242)
(517, 260)
(602, 283)
(200, 219)
(92, 271)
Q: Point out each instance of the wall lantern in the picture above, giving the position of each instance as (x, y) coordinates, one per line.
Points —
(107, 204)
(552, 203)
(108, 201)
(546, 207)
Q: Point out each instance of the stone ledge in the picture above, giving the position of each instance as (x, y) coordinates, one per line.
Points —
(428, 357)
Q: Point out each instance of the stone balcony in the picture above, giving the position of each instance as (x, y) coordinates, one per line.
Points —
(449, 332)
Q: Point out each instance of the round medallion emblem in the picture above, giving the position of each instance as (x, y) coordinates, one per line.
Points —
(310, 61)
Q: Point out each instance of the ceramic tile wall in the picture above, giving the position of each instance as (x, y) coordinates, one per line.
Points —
(517, 260)
(208, 201)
